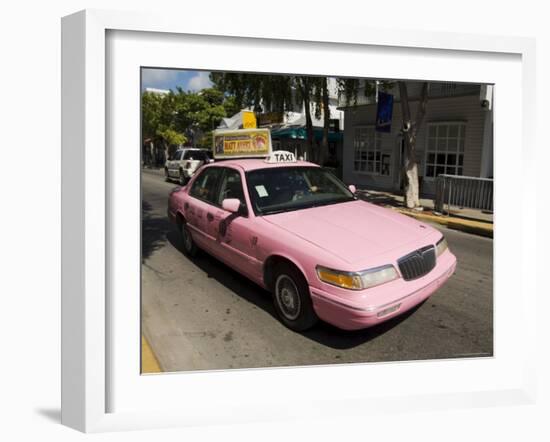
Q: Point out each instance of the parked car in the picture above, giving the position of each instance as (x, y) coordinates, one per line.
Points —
(185, 162)
(295, 229)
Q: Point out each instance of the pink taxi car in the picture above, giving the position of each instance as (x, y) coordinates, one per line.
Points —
(296, 230)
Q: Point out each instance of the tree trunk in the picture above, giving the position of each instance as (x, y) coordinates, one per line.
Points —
(410, 131)
(323, 154)
(309, 124)
(412, 198)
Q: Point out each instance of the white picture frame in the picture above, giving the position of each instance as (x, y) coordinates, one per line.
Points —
(92, 367)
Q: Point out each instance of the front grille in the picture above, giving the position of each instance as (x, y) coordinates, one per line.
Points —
(418, 263)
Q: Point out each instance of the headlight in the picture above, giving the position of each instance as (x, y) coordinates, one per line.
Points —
(357, 280)
(441, 246)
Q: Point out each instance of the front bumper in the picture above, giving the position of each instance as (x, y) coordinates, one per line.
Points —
(378, 304)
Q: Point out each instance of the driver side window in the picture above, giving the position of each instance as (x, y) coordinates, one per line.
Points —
(231, 187)
(205, 186)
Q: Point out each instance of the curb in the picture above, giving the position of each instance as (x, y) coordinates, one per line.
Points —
(149, 362)
(469, 226)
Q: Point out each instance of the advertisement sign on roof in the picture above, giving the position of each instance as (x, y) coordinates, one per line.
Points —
(241, 143)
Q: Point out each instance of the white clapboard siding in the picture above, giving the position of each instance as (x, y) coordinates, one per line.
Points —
(465, 108)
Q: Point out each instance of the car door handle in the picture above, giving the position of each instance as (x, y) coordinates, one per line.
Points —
(209, 217)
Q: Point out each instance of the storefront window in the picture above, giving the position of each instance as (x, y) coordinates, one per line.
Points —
(445, 149)
(366, 145)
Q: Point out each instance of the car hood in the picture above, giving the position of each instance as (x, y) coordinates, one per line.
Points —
(353, 229)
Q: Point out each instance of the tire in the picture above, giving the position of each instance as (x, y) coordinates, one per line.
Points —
(189, 246)
(292, 298)
(182, 179)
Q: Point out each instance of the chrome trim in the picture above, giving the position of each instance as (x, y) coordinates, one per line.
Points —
(411, 270)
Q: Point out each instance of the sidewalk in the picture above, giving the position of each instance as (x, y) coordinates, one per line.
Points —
(466, 220)
(153, 170)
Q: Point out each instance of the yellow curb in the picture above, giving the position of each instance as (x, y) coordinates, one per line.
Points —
(149, 362)
(465, 225)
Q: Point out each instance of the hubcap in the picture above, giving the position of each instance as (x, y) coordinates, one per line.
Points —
(287, 297)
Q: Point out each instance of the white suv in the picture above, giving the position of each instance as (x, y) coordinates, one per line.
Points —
(185, 162)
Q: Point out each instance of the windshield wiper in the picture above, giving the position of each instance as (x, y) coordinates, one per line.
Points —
(273, 212)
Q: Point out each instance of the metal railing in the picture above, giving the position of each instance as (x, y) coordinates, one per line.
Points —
(463, 192)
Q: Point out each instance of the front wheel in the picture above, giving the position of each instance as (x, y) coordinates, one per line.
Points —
(292, 299)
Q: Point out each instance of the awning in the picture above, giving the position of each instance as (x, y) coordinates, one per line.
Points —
(300, 133)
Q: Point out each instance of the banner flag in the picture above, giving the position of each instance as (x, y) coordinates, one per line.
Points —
(384, 112)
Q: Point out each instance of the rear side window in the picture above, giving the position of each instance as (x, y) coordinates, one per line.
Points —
(200, 155)
(190, 155)
(205, 187)
(197, 155)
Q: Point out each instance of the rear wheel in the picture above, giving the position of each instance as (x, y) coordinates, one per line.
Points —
(189, 246)
(292, 299)
(183, 180)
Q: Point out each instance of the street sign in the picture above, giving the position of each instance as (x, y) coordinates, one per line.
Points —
(271, 118)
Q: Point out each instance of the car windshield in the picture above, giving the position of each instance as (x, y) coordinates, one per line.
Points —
(282, 189)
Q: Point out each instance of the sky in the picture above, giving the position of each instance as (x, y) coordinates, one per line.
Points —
(171, 78)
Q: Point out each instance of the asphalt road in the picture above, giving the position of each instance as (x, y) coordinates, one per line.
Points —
(200, 314)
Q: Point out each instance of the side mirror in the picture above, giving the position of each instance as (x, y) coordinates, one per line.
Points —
(231, 205)
(352, 188)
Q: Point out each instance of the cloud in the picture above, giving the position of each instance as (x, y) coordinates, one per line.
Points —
(172, 78)
(158, 77)
(199, 81)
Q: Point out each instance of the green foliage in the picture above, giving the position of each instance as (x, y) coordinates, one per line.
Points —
(205, 140)
(171, 137)
(349, 88)
(231, 106)
(167, 118)
(155, 113)
(203, 110)
(259, 91)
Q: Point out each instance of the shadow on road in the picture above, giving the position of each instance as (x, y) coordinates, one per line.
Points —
(153, 231)
(241, 286)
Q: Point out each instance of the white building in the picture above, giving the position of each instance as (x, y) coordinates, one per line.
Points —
(455, 138)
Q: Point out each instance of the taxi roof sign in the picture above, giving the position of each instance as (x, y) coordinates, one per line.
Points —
(241, 143)
(281, 156)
